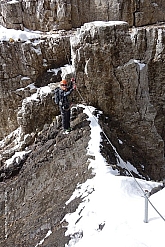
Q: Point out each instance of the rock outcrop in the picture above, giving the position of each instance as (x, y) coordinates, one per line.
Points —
(108, 64)
(35, 200)
(48, 15)
(24, 63)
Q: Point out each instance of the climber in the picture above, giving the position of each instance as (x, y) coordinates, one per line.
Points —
(62, 99)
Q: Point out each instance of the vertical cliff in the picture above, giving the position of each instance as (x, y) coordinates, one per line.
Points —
(118, 79)
(48, 15)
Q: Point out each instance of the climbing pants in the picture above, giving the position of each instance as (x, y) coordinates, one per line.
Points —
(65, 114)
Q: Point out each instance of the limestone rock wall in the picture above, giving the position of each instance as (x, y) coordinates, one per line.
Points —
(21, 64)
(108, 64)
(148, 12)
(36, 15)
(61, 14)
(123, 67)
(149, 46)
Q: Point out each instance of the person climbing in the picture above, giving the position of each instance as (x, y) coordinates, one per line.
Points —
(62, 99)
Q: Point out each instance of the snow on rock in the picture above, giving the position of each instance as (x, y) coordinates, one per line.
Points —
(47, 235)
(7, 34)
(112, 208)
(17, 157)
(141, 65)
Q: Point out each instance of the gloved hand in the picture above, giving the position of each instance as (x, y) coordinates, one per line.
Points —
(72, 79)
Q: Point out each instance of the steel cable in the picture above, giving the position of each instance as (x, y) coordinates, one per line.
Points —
(144, 194)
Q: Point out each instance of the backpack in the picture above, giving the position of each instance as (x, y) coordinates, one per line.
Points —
(57, 96)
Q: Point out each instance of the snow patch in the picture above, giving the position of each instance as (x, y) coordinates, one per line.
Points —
(40, 92)
(55, 71)
(141, 65)
(16, 157)
(103, 23)
(47, 235)
(13, 1)
(6, 34)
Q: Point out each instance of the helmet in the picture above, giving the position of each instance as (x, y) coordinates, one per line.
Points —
(64, 82)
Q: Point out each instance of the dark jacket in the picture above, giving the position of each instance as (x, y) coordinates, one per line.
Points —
(64, 101)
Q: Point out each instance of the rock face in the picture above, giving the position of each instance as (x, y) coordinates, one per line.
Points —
(108, 64)
(35, 200)
(128, 61)
(119, 67)
(24, 63)
(48, 15)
